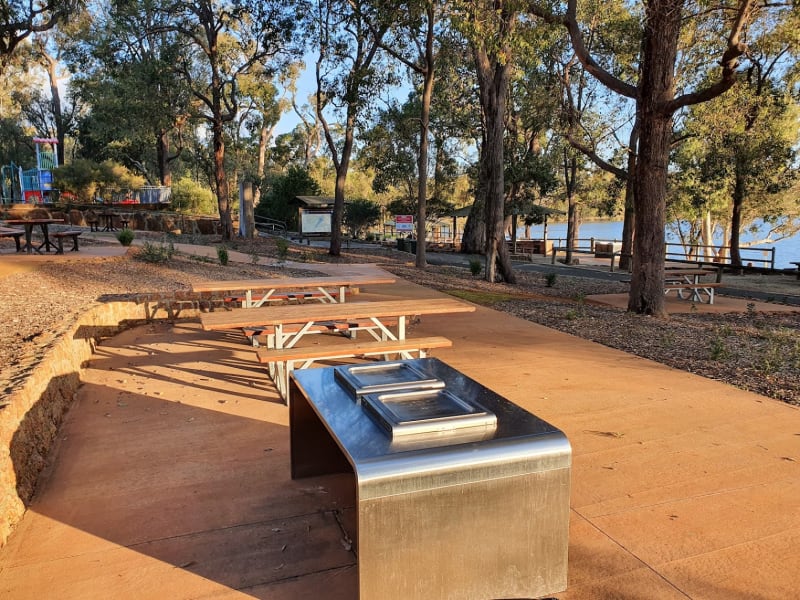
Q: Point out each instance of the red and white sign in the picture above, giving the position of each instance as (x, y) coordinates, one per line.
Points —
(404, 222)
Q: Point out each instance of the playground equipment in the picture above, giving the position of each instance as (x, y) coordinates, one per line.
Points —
(35, 186)
(31, 186)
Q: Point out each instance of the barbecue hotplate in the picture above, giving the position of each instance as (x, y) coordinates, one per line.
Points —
(404, 400)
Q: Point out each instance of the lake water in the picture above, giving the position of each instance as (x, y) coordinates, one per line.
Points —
(785, 250)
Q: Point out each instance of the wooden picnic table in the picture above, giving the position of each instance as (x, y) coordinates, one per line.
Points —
(796, 264)
(291, 322)
(29, 224)
(687, 283)
(286, 287)
(288, 324)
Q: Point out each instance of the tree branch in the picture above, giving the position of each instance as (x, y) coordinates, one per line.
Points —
(570, 22)
(730, 60)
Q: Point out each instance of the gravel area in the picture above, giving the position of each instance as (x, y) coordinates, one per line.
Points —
(756, 351)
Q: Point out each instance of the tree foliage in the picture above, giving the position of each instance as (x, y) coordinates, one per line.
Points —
(20, 19)
(276, 200)
(360, 215)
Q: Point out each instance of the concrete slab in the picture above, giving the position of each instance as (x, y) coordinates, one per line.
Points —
(171, 477)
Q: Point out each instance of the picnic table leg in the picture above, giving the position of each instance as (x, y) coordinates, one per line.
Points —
(28, 237)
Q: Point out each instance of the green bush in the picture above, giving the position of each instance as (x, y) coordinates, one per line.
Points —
(282, 247)
(156, 253)
(191, 197)
(88, 179)
(222, 255)
(125, 237)
(475, 266)
(550, 279)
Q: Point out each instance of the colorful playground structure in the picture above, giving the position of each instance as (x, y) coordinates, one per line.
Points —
(35, 186)
(31, 186)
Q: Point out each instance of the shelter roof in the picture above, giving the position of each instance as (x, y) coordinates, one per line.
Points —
(315, 201)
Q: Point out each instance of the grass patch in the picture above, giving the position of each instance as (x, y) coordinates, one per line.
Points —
(482, 298)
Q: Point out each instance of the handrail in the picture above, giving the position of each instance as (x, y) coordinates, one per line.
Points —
(271, 225)
(696, 253)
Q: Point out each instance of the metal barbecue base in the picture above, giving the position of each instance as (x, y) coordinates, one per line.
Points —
(478, 512)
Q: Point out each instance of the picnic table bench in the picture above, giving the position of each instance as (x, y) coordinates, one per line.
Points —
(254, 293)
(282, 362)
(59, 237)
(292, 322)
(265, 334)
(12, 233)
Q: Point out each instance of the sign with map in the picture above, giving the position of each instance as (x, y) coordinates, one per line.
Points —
(316, 222)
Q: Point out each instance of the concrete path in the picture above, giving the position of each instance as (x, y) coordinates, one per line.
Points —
(171, 475)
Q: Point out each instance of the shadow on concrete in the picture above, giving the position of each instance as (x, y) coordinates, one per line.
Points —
(165, 456)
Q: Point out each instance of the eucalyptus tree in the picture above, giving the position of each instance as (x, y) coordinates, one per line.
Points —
(138, 114)
(751, 134)
(20, 88)
(412, 40)
(18, 20)
(530, 169)
(222, 42)
(260, 117)
(598, 123)
(738, 165)
(391, 147)
(307, 135)
(348, 36)
(658, 98)
(491, 28)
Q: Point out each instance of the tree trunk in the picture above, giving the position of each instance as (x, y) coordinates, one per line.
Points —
(654, 115)
(570, 180)
(425, 113)
(736, 213)
(58, 116)
(162, 152)
(221, 181)
(473, 241)
(628, 229)
(341, 182)
(707, 236)
(263, 139)
(493, 82)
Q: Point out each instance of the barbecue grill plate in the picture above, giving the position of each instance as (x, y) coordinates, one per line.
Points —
(383, 377)
(426, 411)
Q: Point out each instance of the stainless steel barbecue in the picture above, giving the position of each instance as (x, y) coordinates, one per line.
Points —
(460, 493)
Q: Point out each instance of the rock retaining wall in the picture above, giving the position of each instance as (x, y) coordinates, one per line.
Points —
(30, 415)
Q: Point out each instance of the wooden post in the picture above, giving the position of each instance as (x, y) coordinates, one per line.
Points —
(247, 220)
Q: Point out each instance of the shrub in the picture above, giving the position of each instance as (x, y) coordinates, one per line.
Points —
(125, 237)
(475, 266)
(222, 255)
(282, 247)
(155, 253)
(191, 197)
(550, 279)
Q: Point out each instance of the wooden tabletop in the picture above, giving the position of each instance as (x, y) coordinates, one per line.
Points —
(686, 272)
(284, 283)
(306, 313)
(32, 221)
